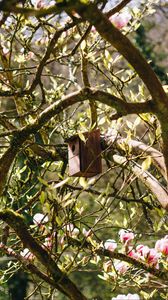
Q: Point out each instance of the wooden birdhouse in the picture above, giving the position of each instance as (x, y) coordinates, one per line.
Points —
(85, 156)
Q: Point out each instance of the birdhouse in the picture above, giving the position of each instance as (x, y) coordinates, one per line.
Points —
(84, 155)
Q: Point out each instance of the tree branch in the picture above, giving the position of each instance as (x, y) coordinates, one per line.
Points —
(137, 148)
(123, 257)
(150, 181)
(47, 54)
(16, 222)
(54, 109)
(27, 265)
(117, 8)
(123, 108)
(120, 256)
(9, 6)
(111, 34)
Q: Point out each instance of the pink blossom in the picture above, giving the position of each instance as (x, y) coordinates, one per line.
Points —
(120, 297)
(110, 245)
(87, 233)
(120, 19)
(40, 219)
(121, 267)
(126, 236)
(10, 251)
(132, 253)
(127, 297)
(93, 29)
(69, 227)
(29, 55)
(152, 258)
(40, 4)
(27, 254)
(71, 230)
(5, 51)
(162, 246)
(143, 250)
(133, 297)
(48, 243)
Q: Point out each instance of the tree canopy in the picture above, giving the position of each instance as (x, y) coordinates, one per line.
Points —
(68, 68)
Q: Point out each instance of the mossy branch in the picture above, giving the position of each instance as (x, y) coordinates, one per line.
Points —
(16, 222)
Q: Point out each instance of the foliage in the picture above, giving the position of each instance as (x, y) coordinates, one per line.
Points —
(66, 68)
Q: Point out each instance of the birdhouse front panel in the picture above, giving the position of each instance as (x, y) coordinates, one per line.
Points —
(85, 156)
(74, 156)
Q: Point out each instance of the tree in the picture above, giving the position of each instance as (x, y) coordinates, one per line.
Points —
(66, 68)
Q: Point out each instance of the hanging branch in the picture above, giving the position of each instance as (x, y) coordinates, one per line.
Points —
(86, 83)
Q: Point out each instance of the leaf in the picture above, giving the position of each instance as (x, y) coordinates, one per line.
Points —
(84, 1)
(141, 90)
(125, 222)
(83, 45)
(119, 159)
(68, 202)
(107, 55)
(165, 87)
(102, 121)
(129, 124)
(82, 137)
(116, 59)
(20, 58)
(61, 183)
(146, 163)
(23, 169)
(137, 122)
(44, 182)
(59, 220)
(158, 132)
(42, 197)
(83, 182)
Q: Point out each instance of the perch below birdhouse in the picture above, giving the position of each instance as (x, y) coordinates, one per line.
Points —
(85, 156)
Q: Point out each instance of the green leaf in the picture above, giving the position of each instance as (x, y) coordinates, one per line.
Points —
(43, 197)
(67, 202)
(59, 220)
(85, 1)
(44, 182)
(82, 137)
(83, 182)
(146, 163)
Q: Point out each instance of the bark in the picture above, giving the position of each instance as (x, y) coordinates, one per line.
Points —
(120, 256)
(150, 181)
(16, 222)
